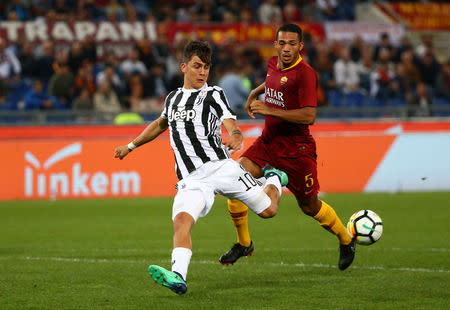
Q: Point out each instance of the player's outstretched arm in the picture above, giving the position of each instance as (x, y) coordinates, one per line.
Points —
(153, 130)
(235, 141)
(306, 115)
(252, 97)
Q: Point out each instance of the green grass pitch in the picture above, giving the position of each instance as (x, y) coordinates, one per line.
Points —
(94, 254)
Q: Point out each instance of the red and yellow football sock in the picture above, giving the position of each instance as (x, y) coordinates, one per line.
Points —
(329, 220)
(239, 215)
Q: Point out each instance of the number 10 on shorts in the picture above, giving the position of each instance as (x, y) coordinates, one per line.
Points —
(248, 180)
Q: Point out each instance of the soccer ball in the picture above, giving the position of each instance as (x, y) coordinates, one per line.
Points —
(365, 227)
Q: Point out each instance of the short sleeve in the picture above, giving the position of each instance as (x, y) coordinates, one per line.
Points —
(307, 88)
(165, 111)
(222, 106)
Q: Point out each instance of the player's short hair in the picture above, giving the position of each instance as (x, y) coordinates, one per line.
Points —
(291, 28)
(202, 49)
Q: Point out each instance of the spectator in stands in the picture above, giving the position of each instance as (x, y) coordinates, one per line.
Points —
(148, 53)
(365, 69)
(61, 10)
(44, 62)
(61, 84)
(426, 46)
(401, 85)
(105, 99)
(269, 12)
(429, 69)
(381, 80)
(291, 12)
(443, 82)
(76, 57)
(112, 77)
(328, 8)
(324, 68)
(205, 11)
(346, 72)
(246, 16)
(38, 99)
(27, 60)
(132, 65)
(2, 92)
(411, 70)
(385, 43)
(356, 49)
(156, 83)
(110, 57)
(183, 13)
(405, 44)
(176, 80)
(173, 64)
(10, 67)
(137, 102)
(89, 9)
(89, 49)
(18, 8)
(114, 7)
(162, 48)
(311, 13)
(83, 101)
(85, 78)
(232, 84)
(384, 57)
(420, 103)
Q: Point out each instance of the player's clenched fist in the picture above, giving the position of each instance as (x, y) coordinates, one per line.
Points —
(121, 151)
(259, 107)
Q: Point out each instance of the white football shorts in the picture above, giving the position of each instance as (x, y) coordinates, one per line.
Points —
(196, 192)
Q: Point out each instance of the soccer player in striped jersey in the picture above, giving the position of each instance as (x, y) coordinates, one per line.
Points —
(194, 114)
(286, 143)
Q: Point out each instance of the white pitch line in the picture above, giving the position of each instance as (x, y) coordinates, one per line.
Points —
(168, 250)
(209, 262)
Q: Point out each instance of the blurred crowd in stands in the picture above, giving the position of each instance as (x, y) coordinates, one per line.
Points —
(42, 77)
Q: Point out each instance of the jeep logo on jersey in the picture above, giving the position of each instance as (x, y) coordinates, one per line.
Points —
(185, 115)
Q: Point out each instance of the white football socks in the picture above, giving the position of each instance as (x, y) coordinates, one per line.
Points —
(274, 180)
(181, 258)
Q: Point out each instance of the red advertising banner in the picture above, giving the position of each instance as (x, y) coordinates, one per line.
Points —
(221, 34)
(78, 162)
(424, 16)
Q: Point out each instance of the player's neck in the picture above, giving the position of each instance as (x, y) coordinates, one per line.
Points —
(283, 66)
(188, 86)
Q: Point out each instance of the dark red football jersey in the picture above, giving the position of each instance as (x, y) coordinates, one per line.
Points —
(291, 88)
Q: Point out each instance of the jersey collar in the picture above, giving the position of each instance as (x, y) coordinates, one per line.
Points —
(191, 90)
(290, 67)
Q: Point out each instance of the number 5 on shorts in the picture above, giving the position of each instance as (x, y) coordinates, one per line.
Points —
(309, 181)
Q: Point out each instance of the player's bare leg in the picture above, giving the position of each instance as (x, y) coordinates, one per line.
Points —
(239, 216)
(328, 219)
(275, 179)
(252, 167)
(181, 256)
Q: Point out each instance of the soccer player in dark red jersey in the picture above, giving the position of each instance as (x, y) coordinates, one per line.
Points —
(286, 143)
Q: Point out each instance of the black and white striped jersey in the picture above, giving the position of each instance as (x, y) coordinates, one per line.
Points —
(195, 118)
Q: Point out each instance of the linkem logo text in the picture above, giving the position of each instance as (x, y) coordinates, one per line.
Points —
(74, 181)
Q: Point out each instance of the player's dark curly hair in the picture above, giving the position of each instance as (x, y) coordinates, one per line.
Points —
(202, 49)
(291, 28)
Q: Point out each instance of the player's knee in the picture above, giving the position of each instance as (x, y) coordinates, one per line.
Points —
(310, 206)
(251, 167)
(271, 211)
(183, 222)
